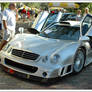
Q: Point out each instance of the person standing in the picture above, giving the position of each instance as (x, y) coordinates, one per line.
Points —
(9, 18)
(36, 14)
(86, 11)
(28, 14)
(79, 16)
(24, 13)
(0, 21)
(1, 26)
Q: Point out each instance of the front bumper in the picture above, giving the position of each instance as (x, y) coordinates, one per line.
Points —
(25, 76)
(42, 72)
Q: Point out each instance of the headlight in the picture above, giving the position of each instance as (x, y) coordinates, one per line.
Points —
(44, 59)
(55, 59)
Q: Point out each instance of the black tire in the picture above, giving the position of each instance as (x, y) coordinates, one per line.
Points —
(79, 61)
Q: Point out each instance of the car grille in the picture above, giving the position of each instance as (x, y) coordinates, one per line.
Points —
(24, 54)
(21, 66)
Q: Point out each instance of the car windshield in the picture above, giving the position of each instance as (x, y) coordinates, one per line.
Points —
(62, 32)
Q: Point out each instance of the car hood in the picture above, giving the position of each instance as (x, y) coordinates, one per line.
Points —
(38, 44)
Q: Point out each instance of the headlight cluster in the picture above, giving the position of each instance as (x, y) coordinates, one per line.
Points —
(45, 59)
(53, 59)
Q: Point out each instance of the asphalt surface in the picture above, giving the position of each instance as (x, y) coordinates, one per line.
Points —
(83, 80)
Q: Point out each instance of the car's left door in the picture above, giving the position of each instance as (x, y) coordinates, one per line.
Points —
(40, 20)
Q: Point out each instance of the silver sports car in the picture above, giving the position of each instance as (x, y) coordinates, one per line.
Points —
(61, 49)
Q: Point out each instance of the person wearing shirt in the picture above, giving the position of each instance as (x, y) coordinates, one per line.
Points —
(28, 14)
(24, 14)
(86, 11)
(79, 17)
(9, 18)
(0, 21)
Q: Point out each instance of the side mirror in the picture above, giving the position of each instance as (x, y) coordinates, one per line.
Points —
(21, 30)
(85, 38)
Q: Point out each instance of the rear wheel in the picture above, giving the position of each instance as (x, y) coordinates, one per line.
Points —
(79, 61)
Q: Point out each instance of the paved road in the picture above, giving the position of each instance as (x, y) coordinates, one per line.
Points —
(80, 81)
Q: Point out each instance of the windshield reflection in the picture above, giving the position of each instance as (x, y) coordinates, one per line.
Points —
(62, 32)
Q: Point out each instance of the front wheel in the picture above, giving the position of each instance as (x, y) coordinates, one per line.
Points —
(79, 61)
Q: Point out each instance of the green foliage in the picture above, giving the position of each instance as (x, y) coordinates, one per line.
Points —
(4, 5)
(43, 6)
(83, 6)
(32, 5)
(90, 7)
(37, 5)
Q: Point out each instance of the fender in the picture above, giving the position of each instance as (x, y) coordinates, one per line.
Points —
(67, 53)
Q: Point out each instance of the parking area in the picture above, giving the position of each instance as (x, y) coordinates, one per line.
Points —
(82, 80)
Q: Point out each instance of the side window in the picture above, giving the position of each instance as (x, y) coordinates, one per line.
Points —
(86, 24)
(50, 19)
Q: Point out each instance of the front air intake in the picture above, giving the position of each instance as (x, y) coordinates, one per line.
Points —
(25, 54)
(27, 68)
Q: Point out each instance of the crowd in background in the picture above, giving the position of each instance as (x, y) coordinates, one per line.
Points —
(26, 14)
(80, 15)
(30, 14)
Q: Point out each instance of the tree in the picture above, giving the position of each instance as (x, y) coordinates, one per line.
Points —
(83, 6)
(37, 5)
(4, 5)
(44, 6)
(90, 7)
(32, 5)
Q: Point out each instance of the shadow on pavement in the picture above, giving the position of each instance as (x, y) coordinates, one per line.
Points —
(75, 81)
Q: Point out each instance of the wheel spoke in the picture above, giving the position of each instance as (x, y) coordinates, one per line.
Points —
(79, 61)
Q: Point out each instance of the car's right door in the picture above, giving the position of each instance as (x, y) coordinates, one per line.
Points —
(86, 24)
(86, 30)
